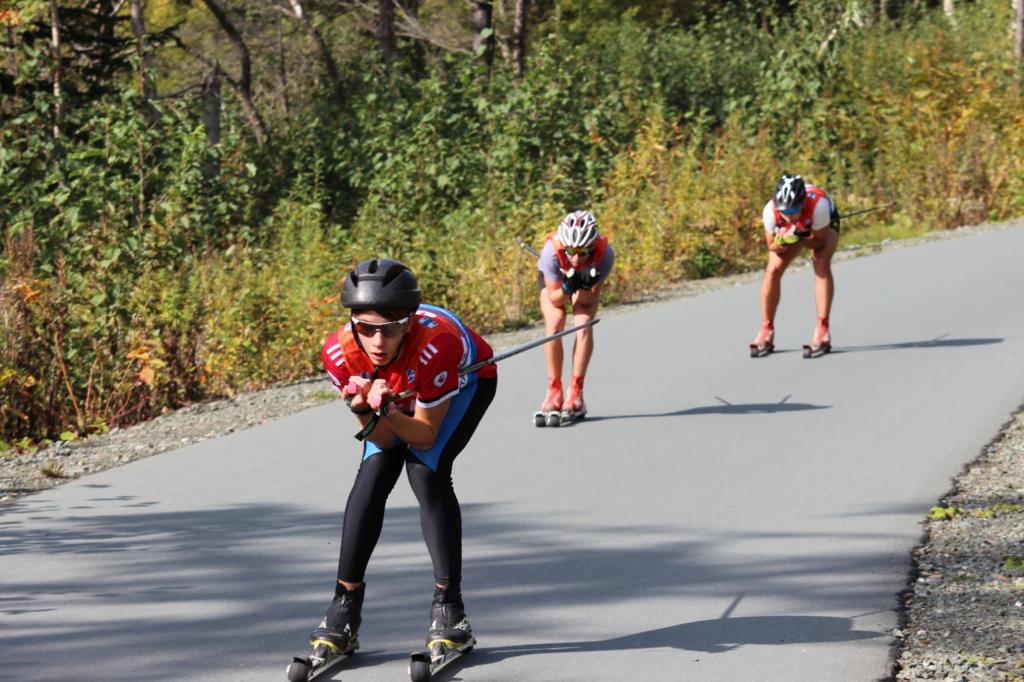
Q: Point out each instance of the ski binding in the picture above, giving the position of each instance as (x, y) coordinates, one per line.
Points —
(817, 351)
(322, 660)
(439, 654)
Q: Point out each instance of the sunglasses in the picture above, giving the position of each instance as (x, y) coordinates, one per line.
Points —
(791, 211)
(387, 329)
(578, 251)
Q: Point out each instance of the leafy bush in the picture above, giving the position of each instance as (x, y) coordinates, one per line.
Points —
(141, 269)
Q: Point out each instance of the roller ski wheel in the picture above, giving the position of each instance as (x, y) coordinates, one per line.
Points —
(551, 418)
(440, 653)
(764, 343)
(321, 661)
(573, 416)
(548, 414)
(298, 669)
(822, 341)
(817, 351)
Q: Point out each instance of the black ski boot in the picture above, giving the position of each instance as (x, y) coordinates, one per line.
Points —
(339, 631)
(449, 636)
(336, 637)
(448, 622)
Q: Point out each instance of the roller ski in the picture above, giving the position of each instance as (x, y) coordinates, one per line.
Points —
(764, 344)
(574, 409)
(448, 639)
(550, 413)
(335, 640)
(822, 341)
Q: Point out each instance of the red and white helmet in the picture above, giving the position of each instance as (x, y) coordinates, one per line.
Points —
(578, 229)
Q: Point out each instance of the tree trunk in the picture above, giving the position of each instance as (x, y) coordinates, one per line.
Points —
(12, 37)
(244, 62)
(519, 38)
(107, 35)
(244, 83)
(252, 115)
(949, 9)
(1018, 31)
(325, 52)
(483, 38)
(282, 70)
(417, 55)
(57, 70)
(211, 122)
(145, 62)
(386, 30)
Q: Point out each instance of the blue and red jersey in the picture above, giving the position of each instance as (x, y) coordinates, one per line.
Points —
(435, 348)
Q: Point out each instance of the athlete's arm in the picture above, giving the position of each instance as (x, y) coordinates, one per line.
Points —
(553, 276)
(821, 222)
(771, 230)
(438, 381)
(421, 429)
(556, 295)
(777, 247)
(353, 389)
(357, 393)
(822, 217)
(592, 275)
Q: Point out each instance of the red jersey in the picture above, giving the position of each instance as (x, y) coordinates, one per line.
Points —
(804, 221)
(436, 346)
(598, 248)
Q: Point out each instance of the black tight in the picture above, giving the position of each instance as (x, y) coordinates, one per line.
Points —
(440, 516)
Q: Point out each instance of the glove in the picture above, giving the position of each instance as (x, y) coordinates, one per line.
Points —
(572, 282)
(787, 236)
(589, 278)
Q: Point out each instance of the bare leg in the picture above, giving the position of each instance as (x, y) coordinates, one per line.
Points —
(584, 309)
(824, 284)
(771, 285)
(554, 321)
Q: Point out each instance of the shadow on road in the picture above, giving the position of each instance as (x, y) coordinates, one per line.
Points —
(937, 342)
(710, 636)
(725, 407)
(215, 580)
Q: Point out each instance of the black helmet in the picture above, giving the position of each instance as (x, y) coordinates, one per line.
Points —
(790, 192)
(380, 283)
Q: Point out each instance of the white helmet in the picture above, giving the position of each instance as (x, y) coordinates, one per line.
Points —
(578, 229)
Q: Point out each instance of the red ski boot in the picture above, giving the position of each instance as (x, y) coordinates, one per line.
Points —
(765, 341)
(551, 409)
(822, 341)
(575, 409)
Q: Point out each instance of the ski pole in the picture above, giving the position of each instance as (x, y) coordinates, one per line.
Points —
(867, 210)
(527, 248)
(372, 424)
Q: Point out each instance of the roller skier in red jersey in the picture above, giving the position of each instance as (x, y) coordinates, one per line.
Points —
(573, 266)
(799, 215)
(394, 343)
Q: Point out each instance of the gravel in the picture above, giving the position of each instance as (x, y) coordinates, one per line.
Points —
(962, 612)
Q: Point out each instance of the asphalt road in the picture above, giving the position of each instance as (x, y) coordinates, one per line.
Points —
(716, 518)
